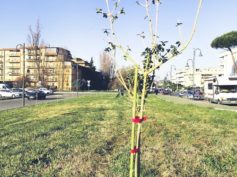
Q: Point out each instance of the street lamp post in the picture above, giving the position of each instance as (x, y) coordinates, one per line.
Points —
(88, 84)
(4, 65)
(193, 63)
(23, 74)
(171, 73)
(77, 80)
(187, 65)
(194, 57)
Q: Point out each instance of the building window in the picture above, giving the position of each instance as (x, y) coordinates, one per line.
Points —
(210, 86)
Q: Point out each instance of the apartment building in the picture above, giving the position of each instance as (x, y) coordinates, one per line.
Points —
(47, 66)
(227, 61)
(188, 78)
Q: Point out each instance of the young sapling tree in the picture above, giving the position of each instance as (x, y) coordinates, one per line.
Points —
(154, 55)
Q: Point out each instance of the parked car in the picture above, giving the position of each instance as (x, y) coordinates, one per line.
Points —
(167, 91)
(186, 94)
(182, 93)
(46, 91)
(4, 86)
(35, 95)
(174, 94)
(198, 95)
(17, 91)
(190, 94)
(7, 94)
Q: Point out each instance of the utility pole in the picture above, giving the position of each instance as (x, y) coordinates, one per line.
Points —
(171, 74)
(77, 79)
(23, 74)
(4, 65)
(194, 57)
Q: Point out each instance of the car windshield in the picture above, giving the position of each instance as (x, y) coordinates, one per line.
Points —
(228, 89)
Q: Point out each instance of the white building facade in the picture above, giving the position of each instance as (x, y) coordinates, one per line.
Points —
(188, 78)
(228, 62)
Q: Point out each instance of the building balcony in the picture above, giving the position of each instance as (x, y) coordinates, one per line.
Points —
(15, 54)
(30, 60)
(33, 78)
(14, 74)
(33, 53)
(50, 59)
(14, 61)
(31, 74)
(51, 52)
(50, 67)
(14, 67)
(51, 80)
(50, 74)
(33, 60)
(32, 67)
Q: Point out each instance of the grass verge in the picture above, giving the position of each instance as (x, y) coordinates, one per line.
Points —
(89, 136)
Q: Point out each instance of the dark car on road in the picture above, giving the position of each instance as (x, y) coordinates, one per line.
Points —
(198, 95)
(35, 95)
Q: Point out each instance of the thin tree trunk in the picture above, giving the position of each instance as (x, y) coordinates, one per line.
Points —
(233, 59)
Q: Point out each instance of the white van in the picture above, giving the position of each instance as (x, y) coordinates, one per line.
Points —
(221, 90)
(4, 87)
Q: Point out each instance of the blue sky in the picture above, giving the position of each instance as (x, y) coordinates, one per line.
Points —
(73, 24)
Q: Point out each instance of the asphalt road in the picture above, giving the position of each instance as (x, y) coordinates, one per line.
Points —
(17, 103)
(198, 102)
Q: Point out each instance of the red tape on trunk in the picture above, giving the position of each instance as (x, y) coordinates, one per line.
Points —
(135, 150)
(138, 120)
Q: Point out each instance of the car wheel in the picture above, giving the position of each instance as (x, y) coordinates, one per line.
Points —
(13, 96)
(218, 102)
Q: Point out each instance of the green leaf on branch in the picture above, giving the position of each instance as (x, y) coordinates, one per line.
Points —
(125, 57)
(105, 15)
(174, 51)
(114, 17)
(116, 5)
(122, 11)
(138, 3)
(107, 49)
(178, 24)
(112, 45)
(163, 42)
(142, 35)
(178, 43)
(99, 11)
(106, 31)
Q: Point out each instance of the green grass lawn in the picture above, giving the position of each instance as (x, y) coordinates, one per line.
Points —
(90, 136)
